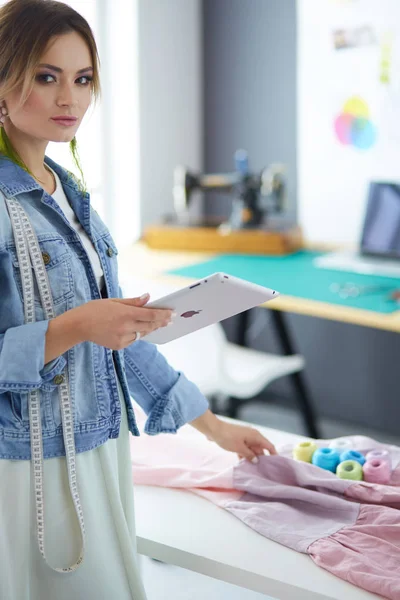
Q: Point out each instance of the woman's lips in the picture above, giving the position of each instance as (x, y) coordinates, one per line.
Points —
(65, 122)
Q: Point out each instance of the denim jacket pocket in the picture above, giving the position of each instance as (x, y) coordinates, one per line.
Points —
(58, 267)
(20, 410)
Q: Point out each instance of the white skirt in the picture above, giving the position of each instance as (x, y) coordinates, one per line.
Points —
(110, 566)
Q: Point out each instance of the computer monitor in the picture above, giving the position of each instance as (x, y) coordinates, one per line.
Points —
(381, 230)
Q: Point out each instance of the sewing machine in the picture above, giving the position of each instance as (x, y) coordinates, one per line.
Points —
(254, 197)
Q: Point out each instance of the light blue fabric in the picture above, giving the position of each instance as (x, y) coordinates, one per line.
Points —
(168, 398)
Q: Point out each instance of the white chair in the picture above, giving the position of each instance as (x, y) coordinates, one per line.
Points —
(218, 367)
(221, 368)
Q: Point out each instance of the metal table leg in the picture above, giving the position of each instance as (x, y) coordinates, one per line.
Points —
(301, 392)
(302, 395)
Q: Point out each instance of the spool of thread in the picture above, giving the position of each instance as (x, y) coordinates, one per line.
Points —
(340, 445)
(304, 451)
(326, 458)
(379, 454)
(352, 455)
(377, 470)
(350, 469)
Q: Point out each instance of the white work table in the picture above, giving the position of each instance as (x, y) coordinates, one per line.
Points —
(183, 529)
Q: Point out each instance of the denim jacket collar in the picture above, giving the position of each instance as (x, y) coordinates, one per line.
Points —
(15, 180)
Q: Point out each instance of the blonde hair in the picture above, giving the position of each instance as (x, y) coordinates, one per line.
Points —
(26, 27)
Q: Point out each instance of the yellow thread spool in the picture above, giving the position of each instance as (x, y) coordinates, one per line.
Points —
(304, 451)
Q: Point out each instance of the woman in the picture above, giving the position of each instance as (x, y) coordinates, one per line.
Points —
(70, 355)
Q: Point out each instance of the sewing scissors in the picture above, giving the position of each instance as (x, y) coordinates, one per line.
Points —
(353, 290)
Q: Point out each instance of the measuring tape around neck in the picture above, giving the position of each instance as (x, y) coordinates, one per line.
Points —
(27, 244)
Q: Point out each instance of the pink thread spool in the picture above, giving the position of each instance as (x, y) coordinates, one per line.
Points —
(377, 470)
(380, 455)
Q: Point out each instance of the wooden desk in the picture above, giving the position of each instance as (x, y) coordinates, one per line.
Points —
(180, 528)
(142, 262)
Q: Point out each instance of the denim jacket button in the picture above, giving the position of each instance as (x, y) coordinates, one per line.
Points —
(110, 251)
(58, 379)
(46, 258)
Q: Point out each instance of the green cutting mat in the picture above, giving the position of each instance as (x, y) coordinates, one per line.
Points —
(295, 275)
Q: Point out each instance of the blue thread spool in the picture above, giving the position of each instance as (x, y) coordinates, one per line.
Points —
(326, 458)
(352, 455)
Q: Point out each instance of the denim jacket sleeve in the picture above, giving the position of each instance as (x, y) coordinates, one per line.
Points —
(22, 351)
(168, 398)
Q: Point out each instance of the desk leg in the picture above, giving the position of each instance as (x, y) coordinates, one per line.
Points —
(301, 392)
(243, 324)
(234, 404)
(302, 395)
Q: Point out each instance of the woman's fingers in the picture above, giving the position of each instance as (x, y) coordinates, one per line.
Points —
(148, 327)
(153, 315)
(143, 329)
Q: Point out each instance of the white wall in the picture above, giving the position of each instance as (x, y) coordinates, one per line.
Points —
(170, 98)
(333, 178)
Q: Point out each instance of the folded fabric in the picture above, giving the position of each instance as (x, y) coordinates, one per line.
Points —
(350, 528)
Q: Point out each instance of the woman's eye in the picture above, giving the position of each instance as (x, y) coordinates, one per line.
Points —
(88, 79)
(43, 79)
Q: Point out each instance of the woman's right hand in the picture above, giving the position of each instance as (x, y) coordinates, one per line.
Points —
(114, 322)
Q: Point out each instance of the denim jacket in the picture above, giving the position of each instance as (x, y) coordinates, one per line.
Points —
(167, 397)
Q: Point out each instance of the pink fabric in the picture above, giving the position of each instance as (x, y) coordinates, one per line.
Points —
(185, 460)
(296, 504)
(375, 493)
(366, 554)
(289, 502)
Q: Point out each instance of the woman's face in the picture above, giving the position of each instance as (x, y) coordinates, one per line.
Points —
(64, 90)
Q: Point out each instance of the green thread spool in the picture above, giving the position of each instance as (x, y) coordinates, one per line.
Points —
(350, 469)
(304, 451)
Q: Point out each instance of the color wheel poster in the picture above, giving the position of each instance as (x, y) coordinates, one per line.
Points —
(348, 111)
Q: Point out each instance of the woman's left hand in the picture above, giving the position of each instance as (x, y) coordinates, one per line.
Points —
(247, 442)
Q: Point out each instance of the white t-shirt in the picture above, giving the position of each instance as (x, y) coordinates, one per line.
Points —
(62, 201)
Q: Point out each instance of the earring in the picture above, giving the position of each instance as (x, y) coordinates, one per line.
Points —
(3, 113)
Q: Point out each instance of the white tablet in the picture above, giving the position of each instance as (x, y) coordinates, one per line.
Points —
(205, 302)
